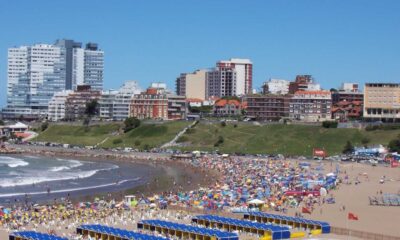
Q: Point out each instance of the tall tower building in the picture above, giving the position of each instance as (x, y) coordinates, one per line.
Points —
(230, 78)
(88, 66)
(36, 72)
(69, 46)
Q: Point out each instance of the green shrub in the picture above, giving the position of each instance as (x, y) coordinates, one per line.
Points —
(44, 126)
(219, 141)
(131, 123)
(117, 141)
(182, 139)
(137, 143)
(190, 131)
(329, 124)
(223, 124)
(365, 141)
(146, 147)
(348, 148)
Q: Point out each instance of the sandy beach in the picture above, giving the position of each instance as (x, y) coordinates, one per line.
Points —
(375, 219)
(183, 177)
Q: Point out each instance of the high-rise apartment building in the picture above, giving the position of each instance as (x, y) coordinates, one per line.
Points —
(192, 85)
(230, 78)
(88, 66)
(36, 72)
(382, 102)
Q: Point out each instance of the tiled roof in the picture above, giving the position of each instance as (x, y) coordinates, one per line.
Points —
(224, 102)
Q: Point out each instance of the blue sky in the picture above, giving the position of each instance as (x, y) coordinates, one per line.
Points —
(336, 41)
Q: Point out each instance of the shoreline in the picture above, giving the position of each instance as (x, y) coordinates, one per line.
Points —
(169, 175)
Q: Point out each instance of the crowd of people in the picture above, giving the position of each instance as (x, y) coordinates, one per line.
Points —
(242, 184)
(256, 183)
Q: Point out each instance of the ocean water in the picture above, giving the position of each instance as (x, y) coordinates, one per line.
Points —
(43, 178)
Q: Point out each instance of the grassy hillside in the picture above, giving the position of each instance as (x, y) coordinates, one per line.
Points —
(147, 135)
(79, 135)
(273, 139)
(244, 138)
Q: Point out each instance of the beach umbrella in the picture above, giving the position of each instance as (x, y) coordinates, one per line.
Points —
(323, 192)
(134, 203)
(256, 202)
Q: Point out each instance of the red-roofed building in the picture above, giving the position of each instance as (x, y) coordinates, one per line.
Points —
(344, 110)
(225, 107)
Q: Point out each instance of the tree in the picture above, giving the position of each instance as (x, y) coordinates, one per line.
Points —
(394, 145)
(131, 123)
(333, 90)
(219, 142)
(44, 126)
(91, 108)
(86, 121)
(329, 124)
(348, 148)
(146, 147)
(365, 141)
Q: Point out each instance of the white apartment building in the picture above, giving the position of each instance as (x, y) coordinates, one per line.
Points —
(278, 86)
(115, 104)
(56, 110)
(106, 103)
(17, 65)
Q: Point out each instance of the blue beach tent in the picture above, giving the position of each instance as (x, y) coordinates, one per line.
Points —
(275, 231)
(116, 232)
(287, 220)
(31, 235)
(184, 229)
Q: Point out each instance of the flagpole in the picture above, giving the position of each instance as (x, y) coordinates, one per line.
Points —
(347, 226)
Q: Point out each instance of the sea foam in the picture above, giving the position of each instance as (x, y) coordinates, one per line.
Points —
(12, 162)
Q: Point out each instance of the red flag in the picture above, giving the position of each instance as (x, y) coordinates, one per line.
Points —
(305, 210)
(352, 216)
